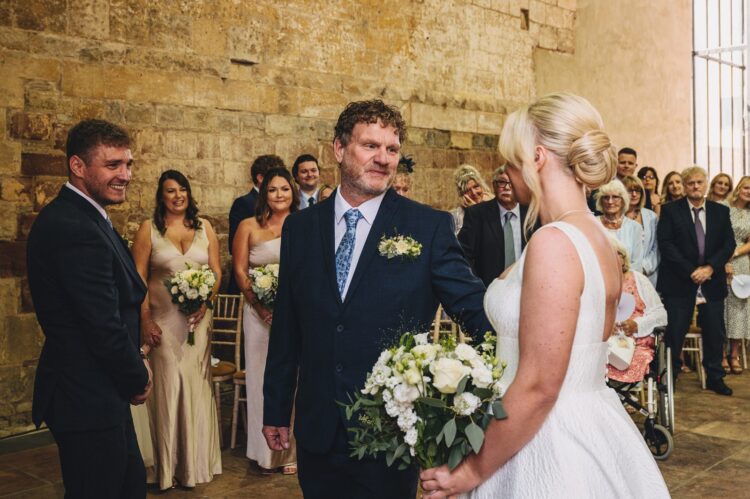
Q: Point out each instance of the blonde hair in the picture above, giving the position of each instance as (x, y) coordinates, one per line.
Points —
(630, 182)
(571, 129)
(691, 171)
(736, 192)
(614, 188)
(463, 174)
(622, 251)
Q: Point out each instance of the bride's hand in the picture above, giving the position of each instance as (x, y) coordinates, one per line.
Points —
(440, 482)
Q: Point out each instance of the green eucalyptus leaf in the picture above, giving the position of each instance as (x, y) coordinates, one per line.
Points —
(455, 457)
(475, 435)
(449, 431)
(432, 402)
(498, 410)
(462, 385)
(389, 458)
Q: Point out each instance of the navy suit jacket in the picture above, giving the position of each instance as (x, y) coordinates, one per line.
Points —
(679, 249)
(481, 237)
(243, 207)
(323, 348)
(87, 295)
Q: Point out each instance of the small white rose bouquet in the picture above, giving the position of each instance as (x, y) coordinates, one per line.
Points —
(265, 283)
(427, 403)
(399, 246)
(190, 289)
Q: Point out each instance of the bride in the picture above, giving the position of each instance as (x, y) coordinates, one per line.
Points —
(567, 435)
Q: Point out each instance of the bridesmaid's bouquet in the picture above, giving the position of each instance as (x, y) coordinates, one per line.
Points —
(265, 283)
(190, 289)
(427, 402)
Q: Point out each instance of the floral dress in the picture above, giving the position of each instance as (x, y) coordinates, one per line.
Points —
(738, 310)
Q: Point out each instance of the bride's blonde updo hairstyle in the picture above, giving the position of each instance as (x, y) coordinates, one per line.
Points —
(570, 128)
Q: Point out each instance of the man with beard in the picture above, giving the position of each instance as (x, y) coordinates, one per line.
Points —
(332, 320)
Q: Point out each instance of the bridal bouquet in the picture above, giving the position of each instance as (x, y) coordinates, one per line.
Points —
(265, 283)
(427, 402)
(190, 289)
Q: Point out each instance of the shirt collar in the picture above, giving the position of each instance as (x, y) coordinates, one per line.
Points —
(305, 196)
(96, 205)
(702, 205)
(515, 210)
(368, 209)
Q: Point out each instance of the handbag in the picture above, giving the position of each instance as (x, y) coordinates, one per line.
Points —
(620, 349)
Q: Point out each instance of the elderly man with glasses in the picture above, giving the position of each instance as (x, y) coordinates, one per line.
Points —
(492, 235)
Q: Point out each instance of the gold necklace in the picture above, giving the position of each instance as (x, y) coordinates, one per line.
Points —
(569, 212)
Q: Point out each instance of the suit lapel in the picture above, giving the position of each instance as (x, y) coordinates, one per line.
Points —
(327, 223)
(686, 213)
(711, 222)
(380, 226)
(493, 219)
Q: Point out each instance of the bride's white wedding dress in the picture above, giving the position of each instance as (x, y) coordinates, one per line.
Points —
(588, 447)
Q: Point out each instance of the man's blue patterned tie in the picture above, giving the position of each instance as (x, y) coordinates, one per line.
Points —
(346, 248)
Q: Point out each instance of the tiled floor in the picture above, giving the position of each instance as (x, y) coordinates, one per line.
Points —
(711, 456)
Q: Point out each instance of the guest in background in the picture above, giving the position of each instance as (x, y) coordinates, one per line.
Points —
(627, 162)
(87, 294)
(650, 180)
(612, 200)
(244, 206)
(492, 234)
(257, 243)
(182, 410)
(649, 314)
(672, 190)
(402, 181)
(720, 189)
(696, 242)
(325, 192)
(471, 189)
(738, 309)
(307, 175)
(647, 219)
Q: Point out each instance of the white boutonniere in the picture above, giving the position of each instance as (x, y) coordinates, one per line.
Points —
(398, 245)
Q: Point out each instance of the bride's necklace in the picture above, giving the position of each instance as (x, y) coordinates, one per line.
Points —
(569, 212)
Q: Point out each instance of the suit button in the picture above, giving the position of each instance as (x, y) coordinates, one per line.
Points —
(339, 368)
(339, 328)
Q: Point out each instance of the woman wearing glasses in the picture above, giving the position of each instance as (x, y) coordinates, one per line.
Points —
(650, 180)
(612, 200)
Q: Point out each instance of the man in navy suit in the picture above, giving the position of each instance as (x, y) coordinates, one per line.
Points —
(340, 303)
(244, 206)
(696, 241)
(87, 295)
(492, 235)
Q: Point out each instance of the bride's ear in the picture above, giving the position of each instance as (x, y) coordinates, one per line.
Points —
(540, 157)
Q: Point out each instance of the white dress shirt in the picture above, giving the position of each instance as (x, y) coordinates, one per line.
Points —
(96, 205)
(368, 209)
(515, 224)
(304, 199)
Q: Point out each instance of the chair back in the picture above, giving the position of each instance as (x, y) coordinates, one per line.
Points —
(444, 325)
(226, 325)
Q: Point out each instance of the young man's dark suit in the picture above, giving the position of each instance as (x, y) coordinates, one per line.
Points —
(322, 348)
(679, 258)
(87, 295)
(243, 207)
(481, 238)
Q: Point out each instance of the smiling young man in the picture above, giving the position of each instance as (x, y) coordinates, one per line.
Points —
(87, 295)
(332, 319)
(307, 175)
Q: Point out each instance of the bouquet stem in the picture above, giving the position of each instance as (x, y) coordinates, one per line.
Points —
(191, 335)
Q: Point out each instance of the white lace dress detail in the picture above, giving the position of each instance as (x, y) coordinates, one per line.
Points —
(588, 447)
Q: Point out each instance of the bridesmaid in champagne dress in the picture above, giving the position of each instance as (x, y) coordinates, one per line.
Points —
(182, 410)
(256, 243)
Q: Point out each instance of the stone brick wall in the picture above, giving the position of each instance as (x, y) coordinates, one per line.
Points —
(207, 85)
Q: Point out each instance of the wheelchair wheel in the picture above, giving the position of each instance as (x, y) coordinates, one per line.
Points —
(665, 397)
(659, 441)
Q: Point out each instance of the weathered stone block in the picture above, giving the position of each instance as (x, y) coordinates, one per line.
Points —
(490, 123)
(21, 339)
(180, 145)
(46, 189)
(537, 11)
(11, 91)
(41, 15)
(15, 189)
(43, 164)
(8, 222)
(88, 18)
(39, 94)
(83, 80)
(170, 116)
(567, 4)
(27, 304)
(547, 38)
(143, 85)
(209, 37)
(566, 40)
(31, 126)
(10, 157)
(139, 113)
(461, 140)
(12, 258)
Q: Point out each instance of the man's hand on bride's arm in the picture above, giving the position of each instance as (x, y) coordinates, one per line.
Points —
(440, 482)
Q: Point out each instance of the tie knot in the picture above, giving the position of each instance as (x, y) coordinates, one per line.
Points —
(508, 216)
(697, 210)
(311, 201)
(352, 217)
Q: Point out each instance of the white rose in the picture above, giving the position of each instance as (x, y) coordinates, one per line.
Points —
(466, 403)
(481, 376)
(203, 290)
(192, 294)
(421, 339)
(264, 282)
(174, 290)
(405, 394)
(181, 299)
(428, 351)
(380, 374)
(465, 352)
(448, 372)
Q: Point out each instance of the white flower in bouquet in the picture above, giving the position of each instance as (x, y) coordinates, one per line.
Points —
(482, 377)
(448, 373)
(465, 352)
(265, 281)
(466, 403)
(399, 246)
(190, 290)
